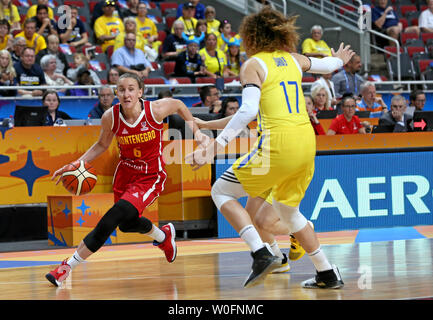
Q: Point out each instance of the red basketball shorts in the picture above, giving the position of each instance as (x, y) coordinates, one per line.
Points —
(136, 187)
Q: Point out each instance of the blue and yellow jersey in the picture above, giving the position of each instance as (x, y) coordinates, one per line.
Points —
(282, 103)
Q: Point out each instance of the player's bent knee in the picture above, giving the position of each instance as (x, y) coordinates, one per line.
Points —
(223, 191)
(120, 211)
(294, 219)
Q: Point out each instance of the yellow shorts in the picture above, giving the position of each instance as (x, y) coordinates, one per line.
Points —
(280, 166)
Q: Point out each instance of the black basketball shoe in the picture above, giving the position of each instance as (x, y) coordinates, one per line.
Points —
(264, 262)
(328, 279)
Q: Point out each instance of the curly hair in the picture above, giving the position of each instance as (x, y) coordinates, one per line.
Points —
(269, 30)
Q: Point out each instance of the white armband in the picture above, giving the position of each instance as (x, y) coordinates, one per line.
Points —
(246, 113)
(325, 65)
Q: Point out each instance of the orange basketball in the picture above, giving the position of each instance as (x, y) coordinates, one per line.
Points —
(79, 177)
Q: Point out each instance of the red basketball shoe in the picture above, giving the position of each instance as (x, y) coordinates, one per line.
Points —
(59, 274)
(168, 245)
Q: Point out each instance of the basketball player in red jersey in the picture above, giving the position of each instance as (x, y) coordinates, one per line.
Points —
(139, 178)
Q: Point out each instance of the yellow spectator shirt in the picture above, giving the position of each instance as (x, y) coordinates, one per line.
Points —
(311, 46)
(105, 26)
(37, 42)
(146, 28)
(214, 64)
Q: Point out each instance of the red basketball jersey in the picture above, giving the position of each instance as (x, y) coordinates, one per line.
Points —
(140, 144)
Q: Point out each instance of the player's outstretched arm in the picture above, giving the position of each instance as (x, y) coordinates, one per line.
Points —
(328, 64)
(217, 124)
(104, 141)
(162, 108)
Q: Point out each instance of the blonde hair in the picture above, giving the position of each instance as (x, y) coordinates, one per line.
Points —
(316, 90)
(269, 30)
(10, 67)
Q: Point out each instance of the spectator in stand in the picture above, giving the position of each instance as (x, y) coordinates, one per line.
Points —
(53, 48)
(234, 58)
(98, 11)
(108, 26)
(425, 20)
(49, 64)
(325, 81)
(347, 122)
(130, 59)
(33, 9)
(82, 62)
(54, 116)
(371, 102)
(187, 18)
(10, 12)
(213, 58)
(174, 43)
(5, 36)
(315, 46)
(417, 101)
(189, 63)
(210, 98)
(147, 28)
(213, 25)
(29, 73)
(309, 104)
(112, 76)
(347, 80)
(130, 27)
(33, 40)
(320, 99)
(44, 25)
(75, 34)
(397, 118)
(83, 79)
(201, 28)
(19, 43)
(385, 20)
(229, 107)
(7, 73)
(199, 9)
(105, 101)
(132, 10)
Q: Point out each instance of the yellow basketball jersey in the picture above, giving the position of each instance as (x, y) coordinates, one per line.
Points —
(282, 102)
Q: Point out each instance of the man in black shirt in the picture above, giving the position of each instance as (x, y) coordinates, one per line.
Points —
(174, 44)
(29, 73)
(189, 63)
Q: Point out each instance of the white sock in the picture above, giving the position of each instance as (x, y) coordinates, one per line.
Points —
(156, 234)
(319, 260)
(250, 235)
(75, 260)
(276, 249)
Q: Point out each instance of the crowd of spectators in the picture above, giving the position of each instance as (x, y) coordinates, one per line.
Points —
(97, 43)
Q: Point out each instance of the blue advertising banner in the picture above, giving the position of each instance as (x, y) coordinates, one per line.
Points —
(356, 191)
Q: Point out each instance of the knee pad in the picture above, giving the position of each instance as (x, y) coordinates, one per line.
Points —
(141, 225)
(294, 219)
(121, 211)
(227, 188)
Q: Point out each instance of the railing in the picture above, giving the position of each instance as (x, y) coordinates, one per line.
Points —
(229, 88)
(397, 45)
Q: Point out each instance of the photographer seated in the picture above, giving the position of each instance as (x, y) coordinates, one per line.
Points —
(130, 59)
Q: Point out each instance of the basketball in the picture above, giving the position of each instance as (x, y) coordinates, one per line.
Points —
(79, 177)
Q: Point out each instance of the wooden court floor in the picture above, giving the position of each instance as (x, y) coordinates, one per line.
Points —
(215, 269)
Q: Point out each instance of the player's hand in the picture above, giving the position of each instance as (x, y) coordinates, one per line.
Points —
(200, 157)
(344, 53)
(202, 140)
(58, 174)
(201, 124)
